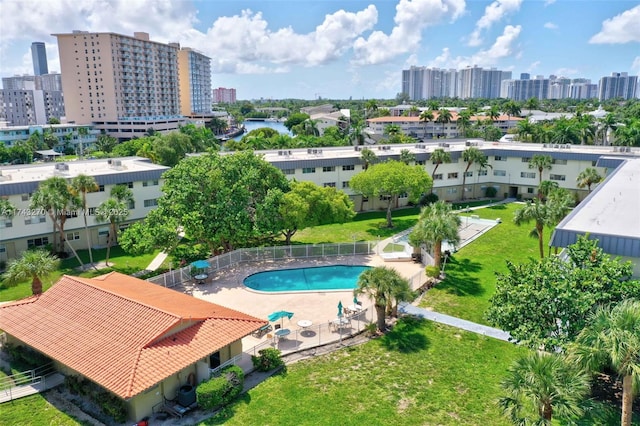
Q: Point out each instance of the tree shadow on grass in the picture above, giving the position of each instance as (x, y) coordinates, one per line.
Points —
(498, 207)
(407, 336)
(379, 229)
(460, 280)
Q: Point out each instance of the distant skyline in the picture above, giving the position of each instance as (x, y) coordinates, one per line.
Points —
(305, 49)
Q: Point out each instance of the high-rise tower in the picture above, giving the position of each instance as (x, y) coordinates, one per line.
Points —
(39, 58)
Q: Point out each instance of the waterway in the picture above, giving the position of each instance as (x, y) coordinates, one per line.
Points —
(251, 125)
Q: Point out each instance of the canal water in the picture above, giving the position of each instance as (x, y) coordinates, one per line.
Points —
(251, 125)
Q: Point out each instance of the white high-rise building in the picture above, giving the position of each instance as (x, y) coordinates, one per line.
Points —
(618, 85)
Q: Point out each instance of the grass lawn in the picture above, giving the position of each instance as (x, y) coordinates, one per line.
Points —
(119, 261)
(470, 274)
(420, 373)
(34, 410)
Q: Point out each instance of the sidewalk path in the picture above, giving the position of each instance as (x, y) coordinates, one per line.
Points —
(161, 257)
(473, 327)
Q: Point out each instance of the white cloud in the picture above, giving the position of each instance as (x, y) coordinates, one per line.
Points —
(635, 66)
(412, 16)
(565, 72)
(549, 2)
(550, 26)
(492, 14)
(622, 28)
(532, 67)
(503, 47)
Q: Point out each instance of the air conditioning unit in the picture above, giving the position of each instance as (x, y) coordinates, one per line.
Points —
(420, 146)
(309, 151)
(280, 153)
(62, 167)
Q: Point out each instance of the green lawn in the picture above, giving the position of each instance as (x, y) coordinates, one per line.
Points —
(470, 275)
(419, 374)
(118, 261)
(34, 410)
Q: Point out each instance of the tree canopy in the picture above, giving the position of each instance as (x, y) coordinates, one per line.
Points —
(546, 303)
(390, 180)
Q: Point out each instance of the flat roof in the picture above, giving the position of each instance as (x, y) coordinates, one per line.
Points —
(611, 214)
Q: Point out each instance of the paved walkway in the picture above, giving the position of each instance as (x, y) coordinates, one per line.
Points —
(473, 327)
(44, 384)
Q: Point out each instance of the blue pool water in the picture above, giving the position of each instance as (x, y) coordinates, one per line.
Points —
(320, 278)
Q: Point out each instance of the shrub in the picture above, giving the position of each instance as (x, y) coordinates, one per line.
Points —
(490, 192)
(25, 357)
(427, 199)
(110, 404)
(268, 359)
(222, 389)
(432, 271)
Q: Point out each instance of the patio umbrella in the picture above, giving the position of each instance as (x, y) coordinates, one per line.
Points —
(340, 309)
(279, 315)
(200, 264)
(355, 300)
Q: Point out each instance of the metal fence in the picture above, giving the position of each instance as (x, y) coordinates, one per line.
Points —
(257, 254)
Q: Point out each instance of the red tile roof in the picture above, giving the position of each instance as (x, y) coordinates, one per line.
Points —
(122, 332)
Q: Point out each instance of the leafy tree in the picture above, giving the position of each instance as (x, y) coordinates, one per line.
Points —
(472, 155)
(546, 303)
(55, 196)
(53, 120)
(402, 98)
(7, 209)
(542, 385)
(295, 119)
(392, 131)
(383, 285)
(444, 117)
(308, 204)
(105, 143)
(565, 131)
(217, 125)
(525, 130)
(540, 162)
(34, 265)
(425, 117)
(82, 184)
(389, 180)
(437, 222)
(611, 339)
(356, 135)
(439, 156)
(607, 123)
(588, 177)
(114, 210)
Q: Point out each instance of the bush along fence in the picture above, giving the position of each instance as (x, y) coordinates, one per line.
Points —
(258, 254)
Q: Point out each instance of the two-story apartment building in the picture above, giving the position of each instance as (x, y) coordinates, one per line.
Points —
(30, 228)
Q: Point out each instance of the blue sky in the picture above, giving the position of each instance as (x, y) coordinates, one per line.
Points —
(341, 49)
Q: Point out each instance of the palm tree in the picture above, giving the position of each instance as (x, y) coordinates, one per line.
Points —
(541, 385)
(382, 284)
(539, 213)
(438, 156)
(34, 265)
(392, 131)
(512, 109)
(524, 129)
(55, 196)
(493, 113)
(425, 117)
(437, 223)
(82, 184)
(588, 177)
(608, 122)
(540, 162)
(356, 136)
(612, 339)
(565, 132)
(464, 122)
(472, 155)
(444, 116)
(407, 156)
(545, 188)
(114, 210)
(367, 157)
(370, 106)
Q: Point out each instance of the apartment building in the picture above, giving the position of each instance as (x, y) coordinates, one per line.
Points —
(618, 85)
(194, 71)
(31, 100)
(30, 228)
(80, 137)
(224, 95)
(471, 82)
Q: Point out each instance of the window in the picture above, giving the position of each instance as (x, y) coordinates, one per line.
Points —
(384, 198)
(345, 184)
(420, 162)
(403, 195)
(150, 183)
(131, 205)
(329, 169)
(499, 172)
(452, 190)
(73, 236)
(557, 177)
(559, 162)
(365, 199)
(468, 174)
(452, 175)
(482, 172)
(3, 248)
(528, 175)
(526, 159)
(6, 223)
(289, 171)
(348, 167)
(101, 188)
(329, 184)
(71, 213)
(32, 220)
(529, 190)
(437, 176)
(307, 170)
(499, 158)
(151, 203)
(37, 242)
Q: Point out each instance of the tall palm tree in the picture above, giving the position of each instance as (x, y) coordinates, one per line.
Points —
(82, 184)
(545, 188)
(55, 196)
(540, 386)
(114, 210)
(588, 177)
(370, 107)
(382, 284)
(472, 155)
(524, 129)
(612, 339)
(426, 117)
(444, 117)
(493, 113)
(539, 213)
(35, 265)
(437, 223)
(565, 132)
(512, 109)
(356, 135)
(392, 131)
(367, 157)
(540, 162)
(464, 121)
(438, 156)
(608, 122)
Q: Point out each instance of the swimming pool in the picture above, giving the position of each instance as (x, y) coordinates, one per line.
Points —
(319, 278)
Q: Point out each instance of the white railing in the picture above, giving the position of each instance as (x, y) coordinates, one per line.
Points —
(233, 361)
